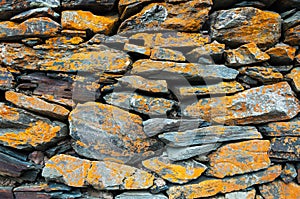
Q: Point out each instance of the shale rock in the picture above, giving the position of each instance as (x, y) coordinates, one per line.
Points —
(279, 189)
(141, 50)
(105, 132)
(102, 5)
(291, 20)
(140, 195)
(285, 148)
(294, 75)
(166, 54)
(281, 54)
(241, 194)
(243, 25)
(177, 172)
(6, 192)
(6, 79)
(37, 12)
(265, 75)
(258, 105)
(289, 173)
(291, 36)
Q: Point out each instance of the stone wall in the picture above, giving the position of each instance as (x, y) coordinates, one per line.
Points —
(146, 99)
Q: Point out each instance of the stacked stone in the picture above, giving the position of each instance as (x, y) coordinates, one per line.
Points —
(149, 99)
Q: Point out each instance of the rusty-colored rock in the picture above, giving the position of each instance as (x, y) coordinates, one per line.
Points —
(211, 187)
(63, 40)
(257, 105)
(279, 189)
(6, 79)
(291, 36)
(294, 75)
(166, 54)
(281, 54)
(265, 75)
(243, 25)
(85, 20)
(285, 148)
(289, 173)
(239, 158)
(177, 172)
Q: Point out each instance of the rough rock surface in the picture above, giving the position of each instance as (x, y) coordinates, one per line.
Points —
(281, 129)
(279, 189)
(285, 148)
(262, 74)
(281, 54)
(6, 79)
(294, 76)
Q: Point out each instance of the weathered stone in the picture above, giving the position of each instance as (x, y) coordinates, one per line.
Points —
(279, 189)
(159, 53)
(74, 33)
(23, 130)
(37, 105)
(291, 36)
(285, 148)
(283, 5)
(298, 172)
(94, 194)
(219, 88)
(63, 40)
(245, 55)
(185, 16)
(139, 83)
(140, 195)
(102, 175)
(37, 12)
(37, 157)
(48, 187)
(262, 74)
(175, 71)
(115, 41)
(60, 148)
(257, 4)
(207, 54)
(281, 68)
(6, 192)
(210, 134)
(85, 20)
(247, 81)
(142, 104)
(32, 195)
(241, 194)
(257, 105)
(142, 50)
(95, 5)
(155, 126)
(11, 7)
(105, 132)
(182, 153)
(211, 187)
(34, 27)
(239, 158)
(6, 79)
(291, 21)
(289, 173)
(177, 172)
(33, 41)
(238, 26)
(294, 75)
(281, 54)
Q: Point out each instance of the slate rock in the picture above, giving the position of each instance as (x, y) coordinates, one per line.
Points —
(238, 26)
(166, 54)
(6, 192)
(245, 55)
(48, 187)
(32, 195)
(283, 5)
(33, 41)
(257, 105)
(241, 194)
(37, 12)
(281, 54)
(265, 75)
(239, 158)
(294, 76)
(177, 172)
(95, 5)
(285, 148)
(211, 187)
(141, 50)
(291, 21)
(102, 175)
(6, 79)
(289, 173)
(210, 134)
(140, 195)
(279, 189)
(101, 132)
(291, 36)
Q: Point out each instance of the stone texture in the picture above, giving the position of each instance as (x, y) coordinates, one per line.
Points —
(291, 36)
(291, 20)
(141, 50)
(142, 104)
(257, 105)
(37, 105)
(243, 25)
(211, 187)
(265, 75)
(166, 54)
(37, 12)
(102, 175)
(140, 195)
(95, 5)
(34, 27)
(289, 173)
(135, 82)
(23, 130)
(177, 172)
(105, 132)
(210, 134)
(63, 40)
(294, 75)
(285, 148)
(241, 194)
(85, 20)
(155, 126)
(178, 71)
(281, 54)
(279, 189)
(239, 158)
(245, 55)
(185, 16)
(6, 79)
(222, 88)
(6, 192)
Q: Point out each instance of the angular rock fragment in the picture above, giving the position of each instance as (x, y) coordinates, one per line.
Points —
(257, 105)
(290, 21)
(74, 33)
(48, 187)
(281, 54)
(140, 195)
(63, 40)
(142, 104)
(37, 12)
(210, 134)
(237, 26)
(177, 172)
(241, 194)
(6, 79)
(291, 36)
(294, 75)
(105, 132)
(6, 192)
(262, 74)
(211, 187)
(33, 195)
(102, 175)
(33, 41)
(289, 173)
(102, 5)
(85, 20)
(137, 49)
(279, 189)
(285, 148)
(173, 70)
(37, 105)
(23, 130)
(239, 158)
(166, 54)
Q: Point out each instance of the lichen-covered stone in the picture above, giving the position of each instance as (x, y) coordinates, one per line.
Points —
(105, 132)
(243, 25)
(166, 54)
(241, 194)
(285, 148)
(279, 189)
(177, 172)
(262, 74)
(210, 134)
(289, 173)
(63, 40)
(291, 36)
(257, 105)
(6, 79)
(23, 130)
(102, 175)
(179, 71)
(245, 55)
(85, 20)
(239, 158)
(33, 27)
(294, 75)
(142, 50)
(37, 12)
(211, 187)
(281, 54)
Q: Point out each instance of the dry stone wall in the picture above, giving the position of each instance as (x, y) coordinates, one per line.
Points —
(147, 99)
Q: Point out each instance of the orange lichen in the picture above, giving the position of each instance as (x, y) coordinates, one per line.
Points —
(8, 113)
